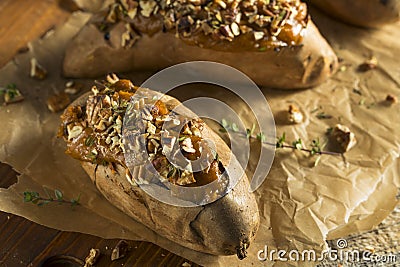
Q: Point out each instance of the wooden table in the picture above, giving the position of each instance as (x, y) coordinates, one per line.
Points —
(24, 243)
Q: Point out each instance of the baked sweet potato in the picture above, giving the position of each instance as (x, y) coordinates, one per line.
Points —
(274, 42)
(92, 129)
(365, 13)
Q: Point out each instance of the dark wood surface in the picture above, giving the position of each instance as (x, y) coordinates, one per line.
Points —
(24, 243)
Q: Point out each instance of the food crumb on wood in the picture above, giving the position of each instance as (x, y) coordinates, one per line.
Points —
(391, 99)
(343, 137)
(119, 250)
(37, 71)
(92, 258)
(369, 64)
(186, 264)
(58, 102)
(294, 114)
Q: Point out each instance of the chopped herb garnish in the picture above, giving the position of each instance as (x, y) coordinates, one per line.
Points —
(89, 141)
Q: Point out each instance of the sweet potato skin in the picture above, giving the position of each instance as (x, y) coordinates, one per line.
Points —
(224, 227)
(291, 67)
(364, 13)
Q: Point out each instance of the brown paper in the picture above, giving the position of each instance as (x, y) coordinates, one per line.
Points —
(300, 205)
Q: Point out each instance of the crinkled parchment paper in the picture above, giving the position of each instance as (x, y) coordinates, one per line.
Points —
(301, 205)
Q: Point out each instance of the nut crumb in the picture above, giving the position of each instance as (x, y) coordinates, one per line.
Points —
(391, 99)
(72, 88)
(369, 64)
(343, 137)
(92, 258)
(58, 102)
(12, 95)
(294, 114)
(37, 71)
(120, 250)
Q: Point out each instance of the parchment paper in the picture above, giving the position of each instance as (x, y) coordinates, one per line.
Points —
(300, 205)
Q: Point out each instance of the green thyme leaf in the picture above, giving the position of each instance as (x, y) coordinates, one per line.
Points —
(261, 137)
(249, 132)
(58, 194)
(297, 144)
(235, 128)
(281, 140)
(224, 123)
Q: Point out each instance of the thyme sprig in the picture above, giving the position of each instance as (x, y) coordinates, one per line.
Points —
(35, 198)
(315, 148)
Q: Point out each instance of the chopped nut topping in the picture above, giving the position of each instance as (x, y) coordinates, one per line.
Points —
(188, 146)
(74, 131)
(94, 134)
(221, 19)
(37, 71)
(343, 137)
(294, 114)
(185, 178)
(147, 7)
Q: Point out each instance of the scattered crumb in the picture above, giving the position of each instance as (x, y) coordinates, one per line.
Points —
(294, 114)
(369, 64)
(92, 258)
(120, 250)
(37, 71)
(343, 137)
(391, 99)
(58, 102)
(11, 94)
(72, 87)
(186, 264)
